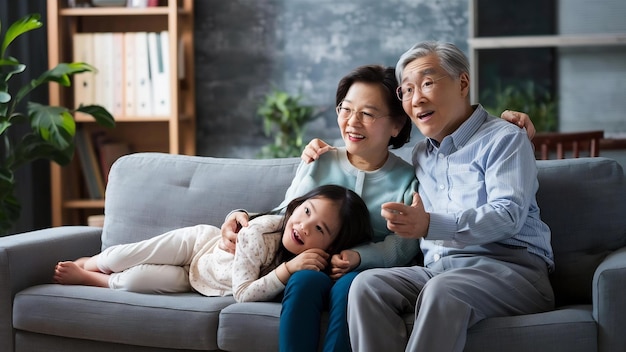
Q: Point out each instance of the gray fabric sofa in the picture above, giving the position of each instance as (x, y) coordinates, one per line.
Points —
(583, 201)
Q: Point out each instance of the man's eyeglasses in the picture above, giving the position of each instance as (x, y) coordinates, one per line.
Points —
(406, 90)
(366, 118)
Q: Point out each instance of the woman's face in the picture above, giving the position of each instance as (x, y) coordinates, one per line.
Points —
(313, 224)
(367, 143)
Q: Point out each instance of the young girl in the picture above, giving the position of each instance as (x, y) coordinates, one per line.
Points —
(315, 226)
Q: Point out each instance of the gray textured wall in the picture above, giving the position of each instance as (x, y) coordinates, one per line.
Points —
(244, 47)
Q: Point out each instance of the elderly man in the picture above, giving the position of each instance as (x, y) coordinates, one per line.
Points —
(486, 251)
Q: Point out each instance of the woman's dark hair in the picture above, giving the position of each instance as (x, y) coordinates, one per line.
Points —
(353, 214)
(386, 78)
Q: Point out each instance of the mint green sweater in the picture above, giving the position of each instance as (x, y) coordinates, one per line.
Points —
(394, 182)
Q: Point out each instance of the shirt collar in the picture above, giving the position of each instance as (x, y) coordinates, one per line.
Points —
(462, 135)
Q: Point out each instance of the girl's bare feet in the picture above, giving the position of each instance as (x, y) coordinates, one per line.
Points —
(71, 273)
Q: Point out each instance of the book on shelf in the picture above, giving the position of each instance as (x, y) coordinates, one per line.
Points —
(83, 51)
(117, 66)
(89, 163)
(143, 85)
(103, 61)
(108, 150)
(129, 74)
(158, 52)
(133, 75)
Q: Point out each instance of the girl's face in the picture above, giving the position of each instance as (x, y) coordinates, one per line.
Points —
(313, 224)
(367, 144)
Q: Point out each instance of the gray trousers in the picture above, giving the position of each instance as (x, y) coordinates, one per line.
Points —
(448, 297)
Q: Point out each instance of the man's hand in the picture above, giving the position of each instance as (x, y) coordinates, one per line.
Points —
(520, 119)
(314, 149)
(230, 228)
(407, 221)
(343, 263)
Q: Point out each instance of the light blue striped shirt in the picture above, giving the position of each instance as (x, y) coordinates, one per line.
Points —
(479, 186)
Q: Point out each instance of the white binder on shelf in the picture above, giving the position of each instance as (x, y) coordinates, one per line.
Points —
(118, 73)
(129, 74)
(83, 51)
(143, 85)
(103, 61)
(158, 47)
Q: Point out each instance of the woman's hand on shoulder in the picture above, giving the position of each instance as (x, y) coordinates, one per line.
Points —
(230, 228)
(520, 119)
(314, 149)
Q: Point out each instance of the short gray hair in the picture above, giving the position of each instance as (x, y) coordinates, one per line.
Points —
(451, 58)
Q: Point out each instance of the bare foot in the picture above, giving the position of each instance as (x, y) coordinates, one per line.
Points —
(81, 262)
(70, 273)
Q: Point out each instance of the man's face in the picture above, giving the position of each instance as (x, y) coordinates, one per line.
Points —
(438, 102)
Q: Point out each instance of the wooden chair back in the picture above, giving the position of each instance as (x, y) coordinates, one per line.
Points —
(567, 144)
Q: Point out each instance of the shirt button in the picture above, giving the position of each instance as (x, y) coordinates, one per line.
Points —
(436, 257)
(441, 187)
(441, 156)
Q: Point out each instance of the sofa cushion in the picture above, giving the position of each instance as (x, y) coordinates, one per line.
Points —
(172, 191)
(244, 326)
(178, 321)
(584, 203)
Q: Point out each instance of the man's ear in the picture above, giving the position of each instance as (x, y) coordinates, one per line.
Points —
(465, 84)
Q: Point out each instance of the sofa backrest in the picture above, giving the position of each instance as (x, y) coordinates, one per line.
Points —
(584, 203)
(150, 193)
(582, 200)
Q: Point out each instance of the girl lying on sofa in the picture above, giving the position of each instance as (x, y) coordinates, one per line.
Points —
(317, 225)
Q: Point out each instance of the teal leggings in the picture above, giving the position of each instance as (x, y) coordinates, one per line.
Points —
(308, 293)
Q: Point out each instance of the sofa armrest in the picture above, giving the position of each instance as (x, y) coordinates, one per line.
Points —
(609, 306)
(29, 258)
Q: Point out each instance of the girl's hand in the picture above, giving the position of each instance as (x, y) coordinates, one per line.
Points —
(344, 263)
(311, 259)
(520, 119)
(230, 228)
(314, 149)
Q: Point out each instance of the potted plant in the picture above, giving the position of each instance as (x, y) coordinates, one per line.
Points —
(528, 98)
(52, 128)
(284, 117)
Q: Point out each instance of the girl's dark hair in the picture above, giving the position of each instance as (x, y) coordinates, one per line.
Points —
(386, 78)
(354, 217)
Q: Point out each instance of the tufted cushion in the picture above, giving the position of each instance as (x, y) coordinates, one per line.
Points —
(582, 200)
(172, 191)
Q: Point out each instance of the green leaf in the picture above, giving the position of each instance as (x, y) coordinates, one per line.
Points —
(100, 114)
(59, 74)
(54, 124)
(33, 147)
(19, 27)
(4, 124)
(5, 97)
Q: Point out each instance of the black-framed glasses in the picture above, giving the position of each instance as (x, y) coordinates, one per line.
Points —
(407, 90)
(365, 117)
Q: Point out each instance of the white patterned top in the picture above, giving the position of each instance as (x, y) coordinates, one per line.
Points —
(248, 275)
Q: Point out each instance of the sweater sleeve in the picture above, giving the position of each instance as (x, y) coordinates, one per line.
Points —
(256, 251)
(392, 250)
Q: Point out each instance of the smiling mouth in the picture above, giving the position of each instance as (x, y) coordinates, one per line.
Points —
(296, 237)
(355, 136)
(425, 115)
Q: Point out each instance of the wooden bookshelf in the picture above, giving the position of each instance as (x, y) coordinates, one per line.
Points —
(171, 133)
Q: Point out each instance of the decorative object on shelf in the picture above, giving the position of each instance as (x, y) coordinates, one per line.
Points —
(52, 128)
(284, 117)
(529, 98)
